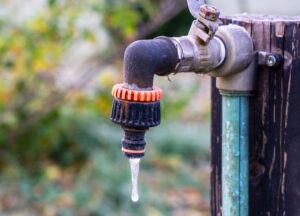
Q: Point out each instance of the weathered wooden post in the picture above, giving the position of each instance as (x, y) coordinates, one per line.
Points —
(274, 124)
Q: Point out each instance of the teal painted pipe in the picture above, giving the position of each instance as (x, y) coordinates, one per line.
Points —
(235, 154)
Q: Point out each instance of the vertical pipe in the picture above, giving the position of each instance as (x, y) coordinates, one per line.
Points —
(235, 171)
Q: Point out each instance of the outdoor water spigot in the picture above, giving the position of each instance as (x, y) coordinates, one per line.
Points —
(136, 105)
(207, 49)
(225, 52)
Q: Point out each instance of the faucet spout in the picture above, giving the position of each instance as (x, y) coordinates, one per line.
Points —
(136, 105)
(225, 52)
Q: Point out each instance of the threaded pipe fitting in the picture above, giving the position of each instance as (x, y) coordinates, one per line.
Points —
(136, 111)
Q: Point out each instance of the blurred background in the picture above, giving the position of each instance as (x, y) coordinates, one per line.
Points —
(60, 154)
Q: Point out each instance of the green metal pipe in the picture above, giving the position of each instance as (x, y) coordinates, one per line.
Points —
(235, 154)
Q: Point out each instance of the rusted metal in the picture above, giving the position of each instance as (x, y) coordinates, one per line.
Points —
(194, 7)
(209, 12)
(207, 19)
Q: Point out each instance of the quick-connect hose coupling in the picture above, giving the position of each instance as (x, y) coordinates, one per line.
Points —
(136, 111)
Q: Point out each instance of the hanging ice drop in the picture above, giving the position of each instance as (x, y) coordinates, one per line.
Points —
(134, 167)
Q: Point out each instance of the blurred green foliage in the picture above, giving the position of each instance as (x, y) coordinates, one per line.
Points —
(32, 121)
(38, 121)
(60, 154)
(172, 178)
(35, 121)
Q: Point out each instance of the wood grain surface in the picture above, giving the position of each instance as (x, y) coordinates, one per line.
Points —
(274, 121)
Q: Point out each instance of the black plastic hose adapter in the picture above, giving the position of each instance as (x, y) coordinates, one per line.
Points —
(135, 118)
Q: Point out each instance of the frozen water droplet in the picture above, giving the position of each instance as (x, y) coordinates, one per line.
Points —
(134, 167)
(135, 197)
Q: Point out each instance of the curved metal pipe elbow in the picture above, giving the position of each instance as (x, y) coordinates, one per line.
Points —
(145, 58)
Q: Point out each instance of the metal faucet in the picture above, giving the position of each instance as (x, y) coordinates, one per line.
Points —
(222, 51)
(208, 49)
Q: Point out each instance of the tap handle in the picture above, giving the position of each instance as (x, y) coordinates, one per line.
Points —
(194, 7)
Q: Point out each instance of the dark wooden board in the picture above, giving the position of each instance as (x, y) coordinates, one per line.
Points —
(274, 122)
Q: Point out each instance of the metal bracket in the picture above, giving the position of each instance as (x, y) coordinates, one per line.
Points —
(271, 60)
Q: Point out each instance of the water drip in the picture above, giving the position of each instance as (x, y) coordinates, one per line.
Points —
(134, 167)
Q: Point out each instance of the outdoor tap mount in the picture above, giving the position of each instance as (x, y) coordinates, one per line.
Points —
(225, 52)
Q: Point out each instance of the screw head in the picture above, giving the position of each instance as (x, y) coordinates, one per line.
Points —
(271, 61)
(209, 12)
